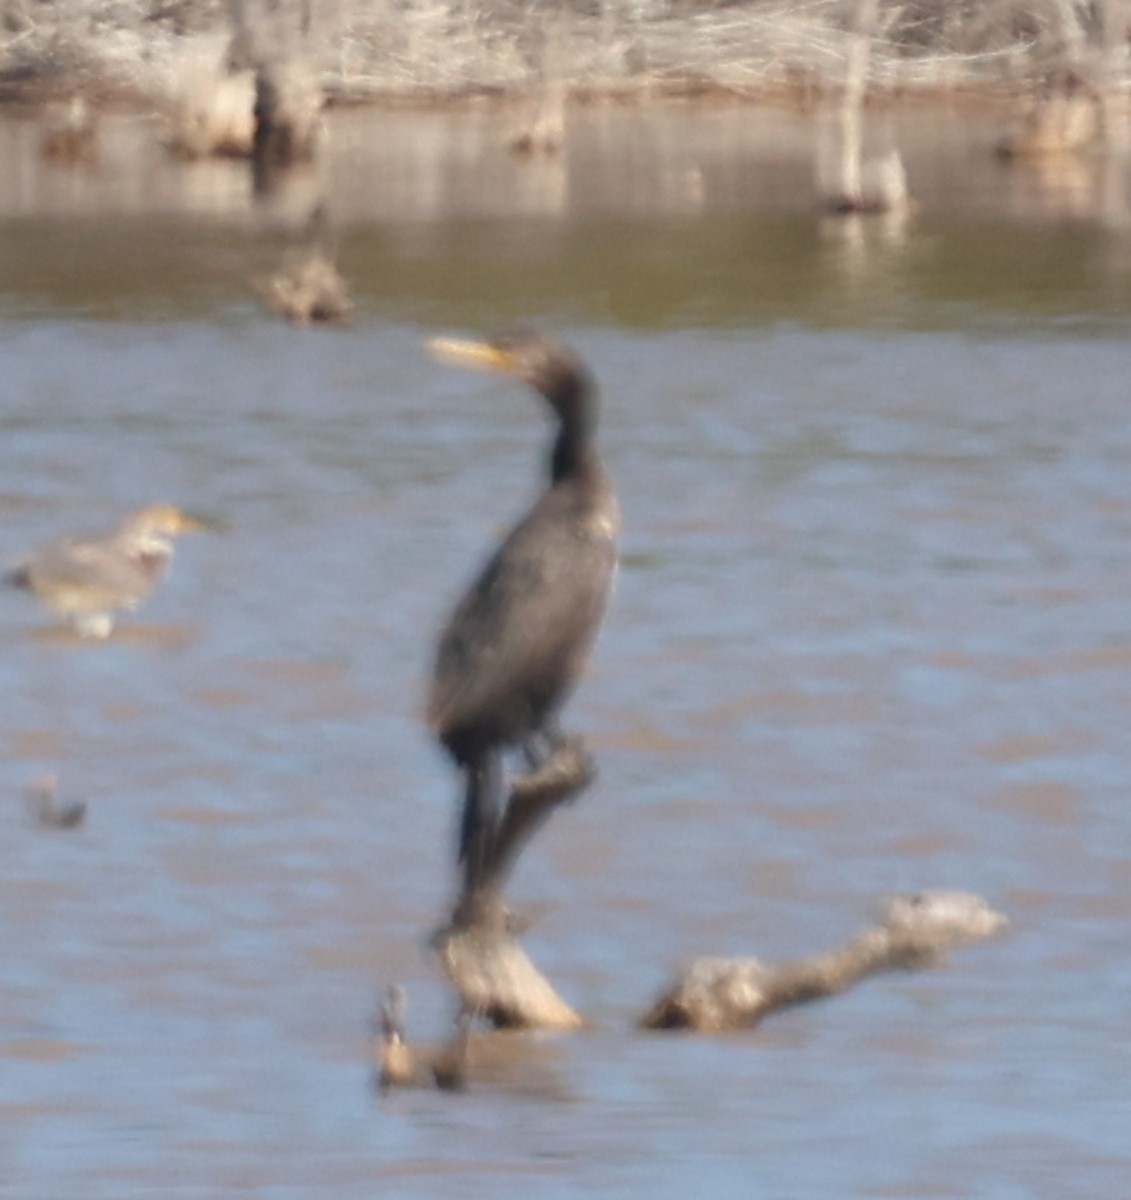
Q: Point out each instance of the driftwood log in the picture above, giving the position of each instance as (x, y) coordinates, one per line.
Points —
(481, 955)
(479, 948)
(711, 995)
(913, 932)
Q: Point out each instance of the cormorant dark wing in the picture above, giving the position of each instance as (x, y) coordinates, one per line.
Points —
(521, 635)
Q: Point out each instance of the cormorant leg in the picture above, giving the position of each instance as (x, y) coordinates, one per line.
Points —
(481, 810)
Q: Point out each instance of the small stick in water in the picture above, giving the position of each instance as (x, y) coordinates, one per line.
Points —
(44, 796)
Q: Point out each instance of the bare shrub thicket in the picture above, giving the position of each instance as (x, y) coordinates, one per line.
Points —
(746, 45)
(373, 47)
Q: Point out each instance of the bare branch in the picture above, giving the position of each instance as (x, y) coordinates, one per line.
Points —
(533, 799)
(914, 932)
(480, 951)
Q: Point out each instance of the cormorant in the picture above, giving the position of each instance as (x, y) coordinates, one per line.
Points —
(518, 640)
(86, 578)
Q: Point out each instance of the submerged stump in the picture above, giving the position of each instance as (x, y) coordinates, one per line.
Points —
(308, 289)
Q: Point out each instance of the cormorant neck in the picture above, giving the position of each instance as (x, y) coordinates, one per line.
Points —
(574, 453)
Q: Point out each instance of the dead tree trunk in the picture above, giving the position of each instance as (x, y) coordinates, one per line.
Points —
(288, 100)
(847, 181)
(284, 41)
(857, 64)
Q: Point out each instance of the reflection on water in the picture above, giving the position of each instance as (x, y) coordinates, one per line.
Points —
(870, 635)
(643, 161)
(700, 216)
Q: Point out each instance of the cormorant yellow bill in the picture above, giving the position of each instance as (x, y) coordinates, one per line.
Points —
(486, 356)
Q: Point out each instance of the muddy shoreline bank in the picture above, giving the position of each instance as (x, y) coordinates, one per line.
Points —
(106, 95)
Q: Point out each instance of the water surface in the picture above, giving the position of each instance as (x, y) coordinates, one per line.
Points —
(870, 635)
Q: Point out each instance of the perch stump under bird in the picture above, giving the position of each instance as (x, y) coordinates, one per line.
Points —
(86, 579)
(508, 659)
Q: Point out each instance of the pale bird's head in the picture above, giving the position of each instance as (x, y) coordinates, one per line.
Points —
(165, 521)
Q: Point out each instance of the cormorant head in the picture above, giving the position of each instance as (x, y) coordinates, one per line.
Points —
(542, 362)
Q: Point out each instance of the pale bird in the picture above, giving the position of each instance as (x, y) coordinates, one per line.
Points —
(86, 579)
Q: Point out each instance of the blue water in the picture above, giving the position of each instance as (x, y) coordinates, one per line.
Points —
(868, 637)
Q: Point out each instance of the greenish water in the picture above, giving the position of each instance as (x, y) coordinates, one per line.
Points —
(731, 272)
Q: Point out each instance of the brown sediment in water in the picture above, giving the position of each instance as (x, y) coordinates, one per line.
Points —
(44, 1050)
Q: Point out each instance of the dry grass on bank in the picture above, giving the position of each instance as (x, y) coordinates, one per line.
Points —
(440, 49)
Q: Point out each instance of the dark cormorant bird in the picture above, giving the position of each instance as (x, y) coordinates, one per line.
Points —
(518, 640)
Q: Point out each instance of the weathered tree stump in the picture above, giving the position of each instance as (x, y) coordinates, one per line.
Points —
(479, 949)
(914, 932)
(308, 288)
(496, 979)
(493, 976)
